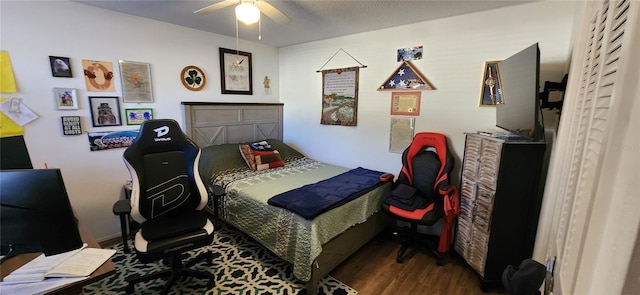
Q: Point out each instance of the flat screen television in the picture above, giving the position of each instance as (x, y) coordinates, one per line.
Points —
(520, 80)
(35, 213)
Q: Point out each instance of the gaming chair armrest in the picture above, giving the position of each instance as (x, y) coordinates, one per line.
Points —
(446, 189)
(217, 191)
(122, 207)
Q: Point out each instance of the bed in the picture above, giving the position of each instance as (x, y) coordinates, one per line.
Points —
(313, 246)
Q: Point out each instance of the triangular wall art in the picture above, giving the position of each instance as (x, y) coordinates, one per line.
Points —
(406, 77)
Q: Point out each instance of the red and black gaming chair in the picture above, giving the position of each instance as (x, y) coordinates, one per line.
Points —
(422, 194)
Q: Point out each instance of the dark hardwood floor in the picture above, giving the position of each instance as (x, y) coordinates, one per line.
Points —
(373, 270)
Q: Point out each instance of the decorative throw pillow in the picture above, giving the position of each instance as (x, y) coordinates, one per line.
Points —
(247, 155)
(267, 159)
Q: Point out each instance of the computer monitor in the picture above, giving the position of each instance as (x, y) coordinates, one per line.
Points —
(14, 153)
(35, 213)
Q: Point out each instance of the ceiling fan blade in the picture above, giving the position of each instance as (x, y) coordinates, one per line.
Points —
(272, 12)
(213, 7)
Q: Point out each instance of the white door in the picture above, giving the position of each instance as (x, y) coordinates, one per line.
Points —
(594, 171)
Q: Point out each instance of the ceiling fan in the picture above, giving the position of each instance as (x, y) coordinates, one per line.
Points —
(253, 6)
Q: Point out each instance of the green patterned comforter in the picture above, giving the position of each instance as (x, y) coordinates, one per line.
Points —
(288, 235)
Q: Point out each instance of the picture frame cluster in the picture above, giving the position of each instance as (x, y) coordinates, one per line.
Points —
(105, 110)
(236, 78)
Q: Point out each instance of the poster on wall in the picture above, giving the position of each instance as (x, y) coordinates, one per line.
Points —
(411, 53)
(340, 97)
(136, 81)
(405, 103)
(98, 75)
(401, 134)
(106, 140)
(71, 125)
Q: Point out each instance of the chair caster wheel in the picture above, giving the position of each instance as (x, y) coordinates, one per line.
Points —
(210, 259)
(485, 287)
(440, 262)
(130, 289)
(399, 260)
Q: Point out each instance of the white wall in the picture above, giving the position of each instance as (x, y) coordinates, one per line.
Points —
(31, 31)
(455, 50)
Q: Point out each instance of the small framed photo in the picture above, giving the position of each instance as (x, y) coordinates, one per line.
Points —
(138, 116)
(405, 103)
(136, 81)
(236, 72)
(66, 98)
(60, 66)
(491, 91)
(105, 111)
(71, 125)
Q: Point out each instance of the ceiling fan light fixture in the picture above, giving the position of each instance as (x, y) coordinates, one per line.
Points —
(247, 13)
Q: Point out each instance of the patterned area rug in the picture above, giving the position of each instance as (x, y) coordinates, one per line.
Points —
(241, 266)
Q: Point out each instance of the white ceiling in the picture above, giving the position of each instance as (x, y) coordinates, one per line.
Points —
(312, 19)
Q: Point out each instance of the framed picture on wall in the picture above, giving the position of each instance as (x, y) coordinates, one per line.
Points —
(235, 72)
(105, 111)
(136, 81)
(405, 103)
(401, 133)
(98, 75)
(71, 125)
(193, 78)
(138, 116)
(60, 66)
(491, 91)
(66, 98)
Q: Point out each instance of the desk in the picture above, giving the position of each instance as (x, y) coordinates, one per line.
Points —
(105, 270)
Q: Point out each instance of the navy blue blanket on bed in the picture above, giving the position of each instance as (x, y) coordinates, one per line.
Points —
(312, 200)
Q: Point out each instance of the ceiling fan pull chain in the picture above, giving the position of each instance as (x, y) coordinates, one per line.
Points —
(237, 47)
(260, 29)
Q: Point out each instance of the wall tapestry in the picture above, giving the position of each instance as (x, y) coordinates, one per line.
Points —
(340, 97)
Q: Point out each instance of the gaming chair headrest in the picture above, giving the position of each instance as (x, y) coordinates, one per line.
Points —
(160, 135)
(428, 139)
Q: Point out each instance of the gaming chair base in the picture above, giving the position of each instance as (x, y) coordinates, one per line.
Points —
(177, 271)
(416, 239)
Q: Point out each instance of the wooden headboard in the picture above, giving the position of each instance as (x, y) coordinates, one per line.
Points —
(220, 123)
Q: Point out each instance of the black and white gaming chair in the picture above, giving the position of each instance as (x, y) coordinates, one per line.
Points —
(167, 199)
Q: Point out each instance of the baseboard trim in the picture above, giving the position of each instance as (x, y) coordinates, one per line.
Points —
(110, 242)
